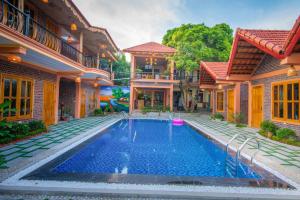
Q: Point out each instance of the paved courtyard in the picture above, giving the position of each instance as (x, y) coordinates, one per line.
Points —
(56, 135)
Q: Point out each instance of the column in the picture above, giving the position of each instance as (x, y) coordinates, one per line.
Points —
(249, 103)
(172, 70)
(56, 105)
(171, 98)
(152, 98)
(97, 96)
(132, 69)
(212, 100)
(237, 98)
(131, 99)
(81, 46)
(77, 98)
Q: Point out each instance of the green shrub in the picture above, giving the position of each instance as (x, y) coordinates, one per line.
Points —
(285, 133)
(238, 118)
(19, 129)
(241, 125)
(268, 126)
(107, 108)
(36, 125)
(98, 112)
(217, 116)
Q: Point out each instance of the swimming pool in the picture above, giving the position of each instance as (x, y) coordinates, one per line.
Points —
(153, 151)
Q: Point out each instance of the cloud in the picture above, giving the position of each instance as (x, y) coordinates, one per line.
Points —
(132, 22)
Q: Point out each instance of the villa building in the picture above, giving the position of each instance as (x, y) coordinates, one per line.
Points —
(152, 77)
(262, 78)
(50, 60)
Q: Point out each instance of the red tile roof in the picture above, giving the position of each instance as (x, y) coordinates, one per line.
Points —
(152, 47)
(273, 40)
(293, 38)
(218, 70)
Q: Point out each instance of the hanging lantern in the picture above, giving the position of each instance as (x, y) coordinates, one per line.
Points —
(77, 80)
(103, 55)
(95, 84)
(45, 1)
(69, 39)
(73, 27)
(103, 46)
(220, 87)
(14, 58)
(292, 71)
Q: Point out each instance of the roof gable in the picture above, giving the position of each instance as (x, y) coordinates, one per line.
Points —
(151, 47)
(216, 70)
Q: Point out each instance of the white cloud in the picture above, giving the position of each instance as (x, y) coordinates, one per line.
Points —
(132, 22)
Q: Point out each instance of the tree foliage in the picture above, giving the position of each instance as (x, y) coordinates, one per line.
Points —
(196, 42)
(121, 68)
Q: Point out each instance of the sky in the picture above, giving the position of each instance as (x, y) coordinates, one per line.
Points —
(133, 22)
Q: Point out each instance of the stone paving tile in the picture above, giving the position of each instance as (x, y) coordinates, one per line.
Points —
(57, 134)
(286, 155)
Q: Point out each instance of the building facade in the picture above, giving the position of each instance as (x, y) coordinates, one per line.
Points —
(50, 60)
(262, 78)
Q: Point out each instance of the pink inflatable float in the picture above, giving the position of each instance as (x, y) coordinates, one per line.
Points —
(178, 122)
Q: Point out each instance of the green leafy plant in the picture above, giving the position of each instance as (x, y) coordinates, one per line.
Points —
(19, 129)
(218, 116)
(107, 108)
(285, 133)
(98, 112)
(36, 125)
(268, 126)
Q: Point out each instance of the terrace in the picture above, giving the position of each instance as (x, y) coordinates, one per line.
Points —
(75, 43)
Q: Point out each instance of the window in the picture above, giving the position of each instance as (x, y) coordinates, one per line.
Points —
(220, 101)
(19, 92)
(285, 105)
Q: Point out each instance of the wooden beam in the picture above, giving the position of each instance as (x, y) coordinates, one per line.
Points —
(12, 49)
(293, 59)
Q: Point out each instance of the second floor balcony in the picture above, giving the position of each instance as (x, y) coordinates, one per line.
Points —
(28, 26)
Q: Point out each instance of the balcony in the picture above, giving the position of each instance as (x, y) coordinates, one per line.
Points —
(23, 23)
(152, 75)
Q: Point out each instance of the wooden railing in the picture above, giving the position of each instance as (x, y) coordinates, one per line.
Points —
(21, 22)
(151, 75)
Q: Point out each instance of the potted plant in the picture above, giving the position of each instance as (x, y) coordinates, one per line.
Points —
(166, 74)
(138, 73)
(156, 76)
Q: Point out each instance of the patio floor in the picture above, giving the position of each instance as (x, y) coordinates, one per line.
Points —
(58, 133)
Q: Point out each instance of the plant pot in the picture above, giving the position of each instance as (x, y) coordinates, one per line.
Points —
(269, 135)
(167, 77)
(156, 76)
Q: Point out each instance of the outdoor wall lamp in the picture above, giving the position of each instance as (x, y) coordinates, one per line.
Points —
(77, 80)
(292, 71)
(14, 58)
(220, 86)
(45, 1)
(73, 27)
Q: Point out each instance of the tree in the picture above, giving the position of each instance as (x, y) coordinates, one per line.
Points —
(196, 42)
(121, 68)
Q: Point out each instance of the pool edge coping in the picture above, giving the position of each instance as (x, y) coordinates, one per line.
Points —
(14, 183)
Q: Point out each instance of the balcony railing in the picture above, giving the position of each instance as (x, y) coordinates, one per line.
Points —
(21, 22)
(150, 75)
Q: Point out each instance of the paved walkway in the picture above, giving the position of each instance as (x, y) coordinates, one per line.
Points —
(57, 134)
(288, 155)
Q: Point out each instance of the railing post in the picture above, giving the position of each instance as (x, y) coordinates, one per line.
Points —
(27, 18)
(2, 10)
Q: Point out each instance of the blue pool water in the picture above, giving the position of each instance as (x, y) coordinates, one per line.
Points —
(152, 147)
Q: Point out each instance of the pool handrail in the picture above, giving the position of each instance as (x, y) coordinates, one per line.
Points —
(244, 144)
(232, 139)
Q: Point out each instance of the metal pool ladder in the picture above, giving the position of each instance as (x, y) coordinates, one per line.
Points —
(125, 115)
(241, 147)
(232, 165)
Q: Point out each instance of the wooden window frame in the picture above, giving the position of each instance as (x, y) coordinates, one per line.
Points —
(285, 101)
(220, 92)
(18, 96)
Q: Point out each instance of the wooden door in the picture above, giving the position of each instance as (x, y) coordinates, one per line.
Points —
(49, 101)
(82, 103)
(257, 106)
(230, 105)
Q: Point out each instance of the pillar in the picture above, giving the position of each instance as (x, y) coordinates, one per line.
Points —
(152, 98)
(172, 70)
(97, 96)
(212, 100)
(132, 68)
(171, 98)
(237, 98)
(81, 46)
(131, 99)
(249, 103)
(77, 99)
(56, 105)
